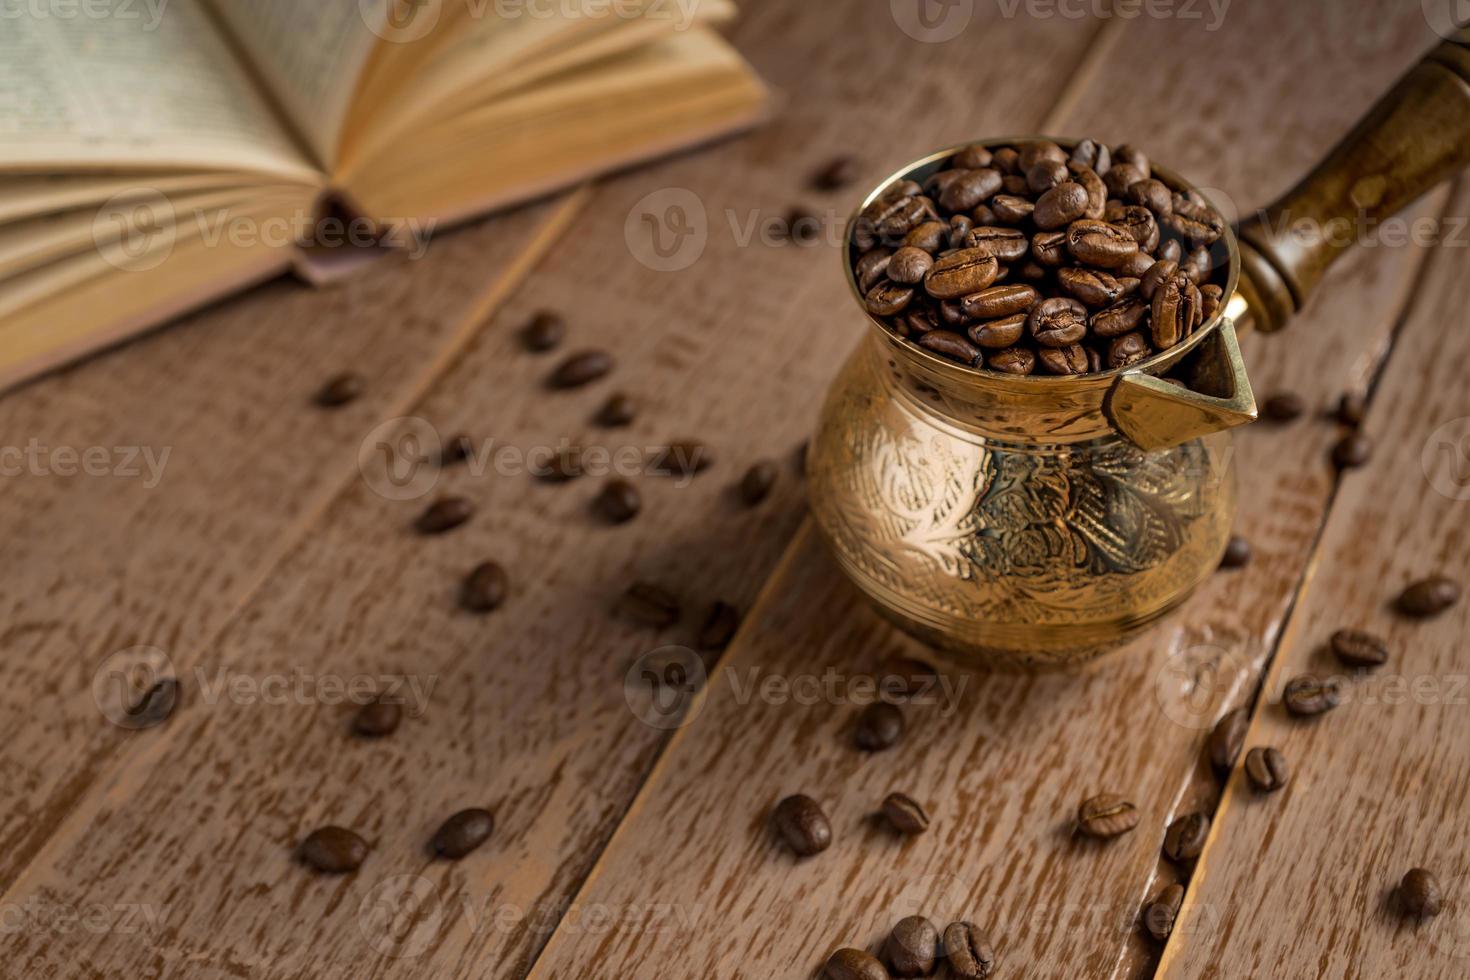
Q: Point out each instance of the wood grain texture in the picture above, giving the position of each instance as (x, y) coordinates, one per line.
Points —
(1300, 883)
(527, 711)
(1004, 767)
(161, 549)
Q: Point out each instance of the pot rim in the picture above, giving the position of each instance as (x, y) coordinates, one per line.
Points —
(1155, 365)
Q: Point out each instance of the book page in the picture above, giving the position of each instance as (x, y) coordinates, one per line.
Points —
(125, 83)
(311, 53)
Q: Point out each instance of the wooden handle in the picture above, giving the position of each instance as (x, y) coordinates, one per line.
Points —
(1415, 137)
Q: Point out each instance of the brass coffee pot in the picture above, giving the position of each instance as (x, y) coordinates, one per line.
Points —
(1038, 521)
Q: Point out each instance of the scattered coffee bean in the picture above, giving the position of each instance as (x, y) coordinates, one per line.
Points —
(854, 964)
(967, 951)
(839, 172)
(456, 450)
(1351, 408)
(756, 485)
(561, 467)
(463, 832)
(906, 816)
(719, 627)
(1357, 648)
(683, 458)
(1352, 450)
(1429, 597)
(444, 515)
(340, 390)
(484, 588)
(1227, 739)
(879, 727)
(380, 716)
(803, 226)
(544, 332)
(618, 502)
(1284, 406)
(912, 947)
(1419, 894)
(618, 411)
(803, 825)
(1185, 839)
(1160, 915)
(333, 850)
(1267, 769)
(155, 706)
(581, 369)
(649, 605)
(1237, 553)
(1306, 696)
(1105, 815)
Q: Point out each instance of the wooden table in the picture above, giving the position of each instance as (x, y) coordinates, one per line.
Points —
(262, 562)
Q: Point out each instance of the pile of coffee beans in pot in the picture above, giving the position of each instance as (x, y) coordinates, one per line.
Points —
(1030, 259)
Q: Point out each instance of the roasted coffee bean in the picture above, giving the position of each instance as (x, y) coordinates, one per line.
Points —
(951, 345)
(1074, 359)
(896, 193)
(999, 334)
(380, 716)
(973, 157)
(1211, 296)
(837, 173)
(1136, 266)
(872, 268)
(1045, 175)
(1140, 224)
(931, 237)
(1058, 322)
(970, 189)
(619, 410)
(1105, 816)
(618, 502)
(906, 816)
(1002, 244)
(485, 588)
(853, 964)
(561, 466)
(1172, 251)
(457, 449)
(1351, 408)
(1012, 360)
(888, 298)
(1175, 311)
(463, 832)
(904, 218)
(333, 850)
(1121, 177)
(1267, 769)
(1420, 896)
(967, 951)
(756, 484)
(912, 947)
(1032, 272)
(1091, 286)
(1090, 153)
(1197, 231)
(1152, 194)
(1060, 206)
(984, 216)
(1237, 553)
(444, 515)
(1100, 244)
(1128, 349)
(1357, 648)
(1035, 151)
(1123, 317)
(910, 265)
(960, 226)
(719, 627)
(961, 273)
(1429, 597)
(1352, 451)
(1133, 157)
(1284, 406)
(1097, 191)
(340, 390)
(1160, 915)
(581, 369)
(1197, 265)
(917, 322)
(1012, 209)
(1227, 739)
(683, 458)
(803, 227)
(879, 727)
(156, 705)
(649, 605)
(1306, 696)
(1158, 274)
(1000, 301)
(952, 315)
(941, 179)
(1185, 839)
(803, 825)
(544, 332)
(1007, 160)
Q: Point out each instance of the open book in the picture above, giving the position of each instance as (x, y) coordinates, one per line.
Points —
(155, 154)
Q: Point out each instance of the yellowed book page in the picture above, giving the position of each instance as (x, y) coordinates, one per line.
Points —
(311, 53)
(114, 85)
(22, 198)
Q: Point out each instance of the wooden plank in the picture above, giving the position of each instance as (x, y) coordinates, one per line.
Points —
(528, 712)
(1004, 765)
(214, 461)
(1300, 883)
